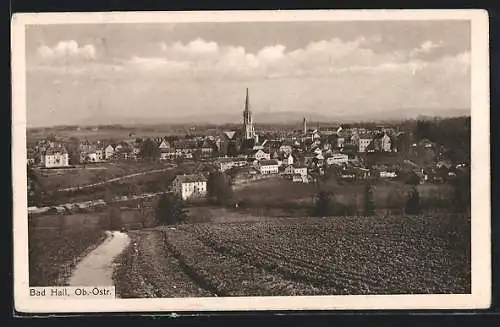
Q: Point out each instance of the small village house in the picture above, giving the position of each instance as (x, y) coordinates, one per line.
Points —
(298, 178)
(228, 163)
(386, 143)
(287, 159)
(190, 186)
(337, 159)
(388, 174)
(109, 152)
(268, 167)
(55, 157)
(259, 155)
(364, 142)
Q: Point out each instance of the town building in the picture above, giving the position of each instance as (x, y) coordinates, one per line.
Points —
(268, 167)
(190, 186)
(364, 142)
(55, 157)
(337, 159)
(386, 143)
(259, 155)
(109, 152)
(228, 163)
(299, 178)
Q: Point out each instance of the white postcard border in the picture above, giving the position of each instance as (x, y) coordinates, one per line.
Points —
(480, 170)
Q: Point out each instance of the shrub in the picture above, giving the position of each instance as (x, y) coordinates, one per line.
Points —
(170, 210)
(323, 205)
(369, 205)
(412, 206)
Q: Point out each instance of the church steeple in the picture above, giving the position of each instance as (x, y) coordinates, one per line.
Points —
(247, 103)
(247, 119)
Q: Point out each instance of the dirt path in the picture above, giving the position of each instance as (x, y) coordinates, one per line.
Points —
(147, 269)
(112, 180)
(96, 268)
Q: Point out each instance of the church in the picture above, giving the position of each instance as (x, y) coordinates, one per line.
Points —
(243, 140)
(248, 128)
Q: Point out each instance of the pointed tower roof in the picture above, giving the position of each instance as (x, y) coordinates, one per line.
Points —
(247, 102)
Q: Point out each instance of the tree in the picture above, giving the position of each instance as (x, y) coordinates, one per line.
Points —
(461, 199)
(197, 155)
(369, 205)
(412, 206)
(170, 210)
(322, 206)
(219, 188)
(412, 179)
(149, 150)
(34, 190)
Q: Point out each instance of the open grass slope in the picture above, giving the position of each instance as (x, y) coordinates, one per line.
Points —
(279, 192)
(54, 179)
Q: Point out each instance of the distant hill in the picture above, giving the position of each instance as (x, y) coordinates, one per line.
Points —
(285, 117)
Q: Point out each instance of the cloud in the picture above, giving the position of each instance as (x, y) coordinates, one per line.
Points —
(207, 59)
(67, 50)
(333, 55)
(155, 64)
(426, 47)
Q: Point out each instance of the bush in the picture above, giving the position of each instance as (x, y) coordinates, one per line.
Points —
(412, 206)
(369, 205)
(323, 205)
(170, 210)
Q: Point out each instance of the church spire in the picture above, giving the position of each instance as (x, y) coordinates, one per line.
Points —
(247, 119)
(247, 102)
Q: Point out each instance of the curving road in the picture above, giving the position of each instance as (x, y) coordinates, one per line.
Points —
(96, 269)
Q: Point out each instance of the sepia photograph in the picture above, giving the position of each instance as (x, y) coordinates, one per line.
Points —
(300, 160)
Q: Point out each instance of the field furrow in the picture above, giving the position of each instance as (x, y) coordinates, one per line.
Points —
(227, 275)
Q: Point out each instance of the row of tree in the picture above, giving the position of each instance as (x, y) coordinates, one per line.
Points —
(325, 205)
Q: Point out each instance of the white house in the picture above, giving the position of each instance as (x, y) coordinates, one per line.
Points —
(55, 157)
(228, 163)
(340, 142)
(388, 174)
(268, 166)
(285, 148)
(109, 152)
(92, 157)
(364, 142)
(99, 154)
(298, 178)
(190, 186)
(301, 170)
(260, 155)
(337, 159)
(164, 145)
(386, 143)
(287, 160)
(288, 170)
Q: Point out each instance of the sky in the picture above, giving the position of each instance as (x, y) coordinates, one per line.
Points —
(78, 73)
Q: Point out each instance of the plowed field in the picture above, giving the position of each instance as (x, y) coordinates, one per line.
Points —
(307, 256)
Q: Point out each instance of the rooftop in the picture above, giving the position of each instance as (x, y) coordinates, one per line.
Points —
(192, 178)
(268, 163)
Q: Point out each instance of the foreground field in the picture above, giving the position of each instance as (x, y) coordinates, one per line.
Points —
(53, 252)
(307, 256)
